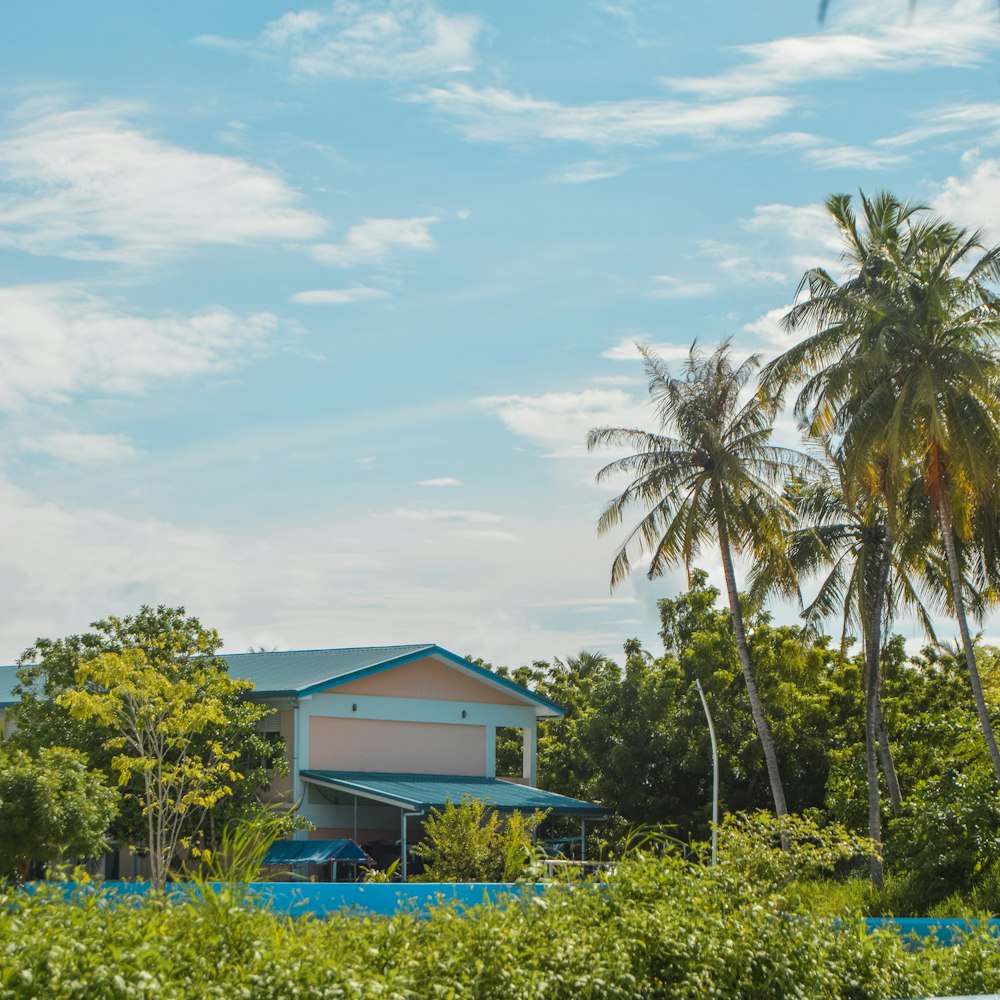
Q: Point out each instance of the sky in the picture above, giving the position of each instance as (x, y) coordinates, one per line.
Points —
(305, 312)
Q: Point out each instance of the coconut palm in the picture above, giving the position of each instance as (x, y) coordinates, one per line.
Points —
(864, 576)
(902, 371)
(708, 475)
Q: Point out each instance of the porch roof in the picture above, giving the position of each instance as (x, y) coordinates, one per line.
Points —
(423, 792)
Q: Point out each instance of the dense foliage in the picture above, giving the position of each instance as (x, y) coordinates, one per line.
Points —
(51, 806)
(469, 842)
(147, 702)
(660, 927)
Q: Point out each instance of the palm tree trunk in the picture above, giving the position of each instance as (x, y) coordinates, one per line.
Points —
(955, 577)
(873, 652)
(756, 705)
(888, 766)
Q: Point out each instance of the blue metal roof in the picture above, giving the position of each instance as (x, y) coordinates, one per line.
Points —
(306, 671)
(422, 792)
(8, 678)
(314, 852)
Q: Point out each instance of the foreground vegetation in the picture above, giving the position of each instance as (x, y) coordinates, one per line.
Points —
(661, 926)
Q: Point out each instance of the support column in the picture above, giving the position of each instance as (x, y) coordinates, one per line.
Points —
(491, 751)
(300, 760)
(529, 755)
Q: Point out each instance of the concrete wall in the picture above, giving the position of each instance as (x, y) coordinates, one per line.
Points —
(387, 745)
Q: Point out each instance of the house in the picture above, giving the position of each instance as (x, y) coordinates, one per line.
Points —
(377, 736)
(8, 680)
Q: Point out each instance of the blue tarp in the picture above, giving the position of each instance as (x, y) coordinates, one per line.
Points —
(314, 852)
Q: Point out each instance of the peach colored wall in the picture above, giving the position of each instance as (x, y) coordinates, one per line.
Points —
(428, 678)
(281, 787)
(374, 745)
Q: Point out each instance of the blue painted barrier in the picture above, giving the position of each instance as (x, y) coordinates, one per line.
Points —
(387, 898)
(324, 898)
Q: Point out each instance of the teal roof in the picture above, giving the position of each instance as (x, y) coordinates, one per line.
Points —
(314, 852)
(306, 671)
(8, 678)
(422, 792)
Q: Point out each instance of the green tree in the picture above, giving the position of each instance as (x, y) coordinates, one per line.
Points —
(471, 842)
(51, 807)
(174, 646)
(709, 474)
(902, 369)
(156, 716)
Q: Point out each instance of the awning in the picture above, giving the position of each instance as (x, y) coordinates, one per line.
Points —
(422, 792)
(314, 852)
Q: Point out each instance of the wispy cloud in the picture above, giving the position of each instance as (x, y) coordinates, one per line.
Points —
(338, 296)
(496, 115)
(587, 171)
(457, 516)
(374, 39)
(666, 286)
(977, 117)
(559, 421)
(81, 448)
(626, 350)
(373, 241)
(441, 482)
(867, 38)
(59, 342)
(88, 184)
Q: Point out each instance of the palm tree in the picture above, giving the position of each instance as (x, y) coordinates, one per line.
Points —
(902, 370)
(708, 475)
(846, 540)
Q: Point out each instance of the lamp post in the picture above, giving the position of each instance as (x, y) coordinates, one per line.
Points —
(715, 774)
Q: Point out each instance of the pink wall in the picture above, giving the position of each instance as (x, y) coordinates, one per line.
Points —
(428, 678)
(375, 745)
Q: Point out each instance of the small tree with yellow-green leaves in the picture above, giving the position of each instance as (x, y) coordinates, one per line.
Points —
(166, 753)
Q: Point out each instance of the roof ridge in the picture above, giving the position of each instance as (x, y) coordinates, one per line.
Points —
(331, 649)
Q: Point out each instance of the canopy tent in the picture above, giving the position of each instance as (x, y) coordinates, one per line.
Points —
(314, 852)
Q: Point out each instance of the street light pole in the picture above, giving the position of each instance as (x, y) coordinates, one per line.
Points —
(715, 774)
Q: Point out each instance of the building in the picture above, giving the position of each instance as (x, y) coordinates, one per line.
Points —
(376, 737)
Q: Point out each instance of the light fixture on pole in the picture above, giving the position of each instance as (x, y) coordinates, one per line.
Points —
(715, 775)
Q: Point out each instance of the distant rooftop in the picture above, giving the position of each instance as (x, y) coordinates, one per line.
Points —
(8, 678)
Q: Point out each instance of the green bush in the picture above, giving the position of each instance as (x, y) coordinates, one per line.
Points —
(659, 927)
(470, 842)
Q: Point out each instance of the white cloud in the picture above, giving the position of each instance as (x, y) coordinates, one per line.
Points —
(665, 286)
(587, 171)
(87, 184)
(796, 236)
(626, 350)
(84, 449)
(374, 39)
(973, 199)
(872, 37)
(769, 328)
(496, 115)
(372, 241)
(441, 482)
(852, 157)
(949, 119)
(459, 516)
(339, 296)
(59, 342)
(560, 421)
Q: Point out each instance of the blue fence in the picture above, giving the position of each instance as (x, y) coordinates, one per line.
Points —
(386, 898)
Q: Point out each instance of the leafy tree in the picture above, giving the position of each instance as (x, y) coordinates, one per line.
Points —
(902, 370)
(470, 842)
(51, 806)
(174, 649)
(709, 474)
(156, 716)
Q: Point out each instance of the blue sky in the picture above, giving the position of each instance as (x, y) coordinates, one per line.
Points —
(306, 311)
